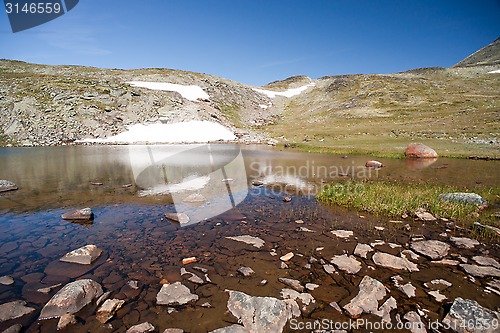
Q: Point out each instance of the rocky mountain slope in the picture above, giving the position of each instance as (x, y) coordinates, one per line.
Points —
(455, 110)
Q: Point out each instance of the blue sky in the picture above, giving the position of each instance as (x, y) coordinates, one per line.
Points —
(259, 41)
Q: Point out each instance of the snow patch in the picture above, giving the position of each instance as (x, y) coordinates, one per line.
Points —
(287, 93)
(187, 132)
(494, 72)
(192, 93)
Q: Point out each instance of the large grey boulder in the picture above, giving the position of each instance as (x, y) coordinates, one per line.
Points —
(175, 294)
(71, 298)
(13, 310)
(463, 197)
(389, 261)
(84, 255)
(6, 185)
(256, 314)
(433, 249)
(468, 316)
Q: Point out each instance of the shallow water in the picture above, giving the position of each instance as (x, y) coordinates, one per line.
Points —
(140, 244)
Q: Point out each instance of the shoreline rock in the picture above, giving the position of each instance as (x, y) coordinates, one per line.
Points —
(6, 185)
(84, 214)
(419, 150)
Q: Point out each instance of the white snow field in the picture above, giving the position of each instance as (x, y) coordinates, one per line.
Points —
(287, 93)
(194, 131)
(494, 72)
(192, 93)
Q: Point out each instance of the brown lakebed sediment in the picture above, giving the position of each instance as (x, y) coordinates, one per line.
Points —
(141, 247)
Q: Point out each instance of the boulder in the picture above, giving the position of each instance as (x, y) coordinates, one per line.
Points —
(84, 214)
(468, 316)
(6, 280)
(420, 150)
(175, 294)
(84, 255)
(108, 309)
(390, 261)
(432, 249)
(366, 301)
(71, 298)
(468, 198)
(13, 310)
(141, 328)
(374, 164)
(6, 185)
(346, 263)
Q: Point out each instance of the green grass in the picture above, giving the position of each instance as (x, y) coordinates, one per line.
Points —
(396, 199)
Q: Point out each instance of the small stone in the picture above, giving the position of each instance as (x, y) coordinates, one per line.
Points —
(299, 221)
(66, 320)
(189, 260)
(108, 309)
(390, 261)
(174, 330)
(6, 185)
(13, 310)
(84, 214)
(330, 269)
(141, 328)
(287, 199)
(180, 218)
(336, 306)
(446, 262)
(263, 282)
(47, 290)
(346, 263)
(311, 286)
(84, 255)
(295, 284)
(408, 289)
(195, 198)
(374, 164)
(437, 282)
(255, 241)
(379, 228)
(246, 271)
(175, 294)
(433, 249)
(342, 233)
(362, 250)
(133, 284)
(6, 280)
(409, 254)
(283, 265)
(424, 216)
(437, 295)
(304, 229)
(287, 256)
(415, 322)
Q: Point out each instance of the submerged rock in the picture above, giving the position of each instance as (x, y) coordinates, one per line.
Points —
(108, 309)
(6, 185)
(415, 322)
(13, 310)
(141, 328)
(14, 329)
(425, 216)
(346, 263)
(390, 261)
(374, 164)
(463, 197)
(432, 249)
(175, 294)
(370, 292)
(486, 261)
(362, 250)
(255, 241)
(65, 321)
(84, 255)
(295, 284)
(246, 271)
(468, 316)
(180, 218)
(6, 280)
(342, 233)
(306, 302)
(258, 314)
(71, 298)
(84, 214)
(287, 256)
(419, 150)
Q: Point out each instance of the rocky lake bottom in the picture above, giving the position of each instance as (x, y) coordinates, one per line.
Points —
(275, 262)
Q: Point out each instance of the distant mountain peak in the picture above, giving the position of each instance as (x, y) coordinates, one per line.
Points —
(486, 56)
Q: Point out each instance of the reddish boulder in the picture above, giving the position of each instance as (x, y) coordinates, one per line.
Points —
(420, 150)
(373, 164)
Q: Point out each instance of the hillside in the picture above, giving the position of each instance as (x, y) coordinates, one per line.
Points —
(454, 110)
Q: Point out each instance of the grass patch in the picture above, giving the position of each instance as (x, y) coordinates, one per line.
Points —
(396, 199)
